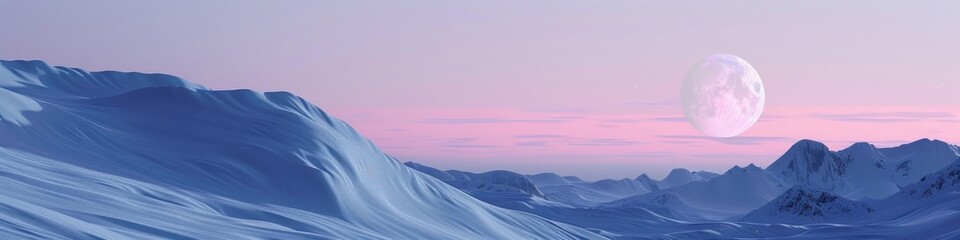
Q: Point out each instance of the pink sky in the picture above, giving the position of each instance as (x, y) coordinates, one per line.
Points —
(582, 88)
(653, 140)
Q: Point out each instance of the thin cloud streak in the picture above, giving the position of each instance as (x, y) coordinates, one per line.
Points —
(540, 136)
(740, 140)
(888, 117)
(668, 119)
(490, 120)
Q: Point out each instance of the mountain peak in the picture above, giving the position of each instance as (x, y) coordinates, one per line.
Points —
(807, 144)
(740, 170)
(811, 163)
(682, 171)
(927, 142)
(647, 181)
(862, 145)
(681, 176)
(643, 176)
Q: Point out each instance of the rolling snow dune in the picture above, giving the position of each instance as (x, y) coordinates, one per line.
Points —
(127, 155)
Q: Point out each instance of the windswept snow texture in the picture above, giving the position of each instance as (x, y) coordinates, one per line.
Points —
(137, 156)
(112, 155)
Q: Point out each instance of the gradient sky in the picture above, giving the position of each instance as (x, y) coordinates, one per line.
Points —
(587, 88)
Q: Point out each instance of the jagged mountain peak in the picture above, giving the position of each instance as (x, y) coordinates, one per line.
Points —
(751, 168)
(646, 181)
(926, 141)
(803, 205)
(643, 177)
(945, 180)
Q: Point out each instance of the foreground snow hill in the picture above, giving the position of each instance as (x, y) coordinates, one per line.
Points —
(127, 155)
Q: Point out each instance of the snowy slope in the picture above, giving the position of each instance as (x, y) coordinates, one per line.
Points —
(647, 182)
(802, 205)
(928, 209)
(945, 181)
(589, 194)
(721, 198)
(706, 176)
(495, 181)
(149, 156)
(813, 165)
(619, 188)
(680, 176)
(919, 158)
(548, 186)
(578, 194)
(901, 165)
(126, 155)
(741, 170)
(573, 179)
(548, 179)
(433, 172)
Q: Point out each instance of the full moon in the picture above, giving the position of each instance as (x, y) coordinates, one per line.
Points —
(722, 96)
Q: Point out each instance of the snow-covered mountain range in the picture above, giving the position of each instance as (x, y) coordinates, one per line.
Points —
(808, 185)
(115, 155)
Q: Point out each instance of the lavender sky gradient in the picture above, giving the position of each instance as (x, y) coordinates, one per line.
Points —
(588, 88)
